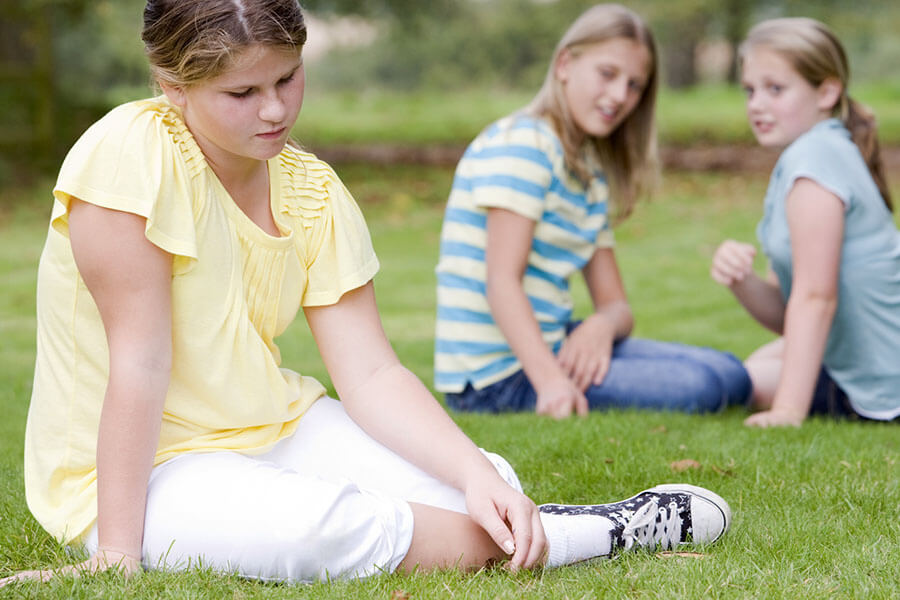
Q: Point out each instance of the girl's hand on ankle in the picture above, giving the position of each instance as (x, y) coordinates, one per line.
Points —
(559, 398)
(510, 518)
(775, 418)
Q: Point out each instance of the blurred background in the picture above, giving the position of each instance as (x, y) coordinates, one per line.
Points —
(411, 80)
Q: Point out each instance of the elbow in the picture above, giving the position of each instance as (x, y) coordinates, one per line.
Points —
(497, 288)
(822, 304)
(149, 367)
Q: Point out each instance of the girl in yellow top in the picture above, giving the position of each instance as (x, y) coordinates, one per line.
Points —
(185, 236)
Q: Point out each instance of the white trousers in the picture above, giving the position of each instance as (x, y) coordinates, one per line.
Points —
(327, 502)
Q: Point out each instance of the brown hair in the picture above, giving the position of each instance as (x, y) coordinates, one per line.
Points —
(816, 54)
(628, 155)
(191, 41)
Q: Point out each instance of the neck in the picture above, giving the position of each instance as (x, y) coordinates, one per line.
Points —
(238, 173)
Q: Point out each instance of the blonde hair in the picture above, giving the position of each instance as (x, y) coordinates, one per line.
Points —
(628, 155)
(192, 41)
(816, 54)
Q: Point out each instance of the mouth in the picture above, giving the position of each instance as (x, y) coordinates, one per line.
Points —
(608, 114)
(272, 135)
(763, 126)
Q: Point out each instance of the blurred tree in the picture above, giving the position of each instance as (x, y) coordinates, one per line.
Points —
(407, 12)
(64, 62)
(59, 62)
(27, 67)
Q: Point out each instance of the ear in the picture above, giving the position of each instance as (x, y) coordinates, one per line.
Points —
(829, 93)
(561, 68)
(175, 94)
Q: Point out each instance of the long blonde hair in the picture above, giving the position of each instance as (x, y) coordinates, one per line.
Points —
(816, 54)
(192, 41)
(629, 154)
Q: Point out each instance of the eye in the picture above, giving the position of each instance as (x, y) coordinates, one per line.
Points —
(775, 88)
(748, 90)
(636, 86)
(286, 80)
(607, 73)
(242, 94)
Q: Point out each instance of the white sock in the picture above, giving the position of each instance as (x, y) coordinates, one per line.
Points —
(574, 538)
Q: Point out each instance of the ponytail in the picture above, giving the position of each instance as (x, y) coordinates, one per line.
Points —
(813, 50)
(860, 121)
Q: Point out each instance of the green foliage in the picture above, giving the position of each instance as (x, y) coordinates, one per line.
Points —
(505, 43)
(814, 509)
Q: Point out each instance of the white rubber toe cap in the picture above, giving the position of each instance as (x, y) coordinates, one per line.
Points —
(710, 514)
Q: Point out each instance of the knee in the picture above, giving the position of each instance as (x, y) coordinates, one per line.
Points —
(732, 380)
(703, 389)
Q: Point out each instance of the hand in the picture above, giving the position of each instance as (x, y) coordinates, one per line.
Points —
(586, 352)
(732, 262)
(101, 561)
(775, 418)
(510, 518)
(559, 398)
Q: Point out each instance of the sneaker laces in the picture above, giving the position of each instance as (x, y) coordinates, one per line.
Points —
(642, 527)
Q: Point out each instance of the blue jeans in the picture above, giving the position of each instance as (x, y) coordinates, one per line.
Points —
(643, 374)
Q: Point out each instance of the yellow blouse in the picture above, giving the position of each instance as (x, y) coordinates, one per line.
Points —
(235, 288)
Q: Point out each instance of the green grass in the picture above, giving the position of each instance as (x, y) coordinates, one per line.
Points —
(815, 509)
(704, 114)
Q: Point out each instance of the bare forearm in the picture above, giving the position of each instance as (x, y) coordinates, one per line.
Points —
(395, 408)
(763, 300)
(515, 317)
(127, 440)
(808, 321)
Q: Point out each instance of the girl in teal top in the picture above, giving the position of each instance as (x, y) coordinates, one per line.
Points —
(833, 291)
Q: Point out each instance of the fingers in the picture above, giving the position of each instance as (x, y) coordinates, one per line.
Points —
(581, 405)
(559, 398)
(770, 418)
(530, 540)
(584, 368)
(600, 375)
(538, 552)
(37, 575)
(562, 409)
(756, 420)
(490, 521)
(732, 262)
(100, 562)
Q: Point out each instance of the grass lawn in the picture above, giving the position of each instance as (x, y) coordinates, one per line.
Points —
(707, 114)
(815, 509)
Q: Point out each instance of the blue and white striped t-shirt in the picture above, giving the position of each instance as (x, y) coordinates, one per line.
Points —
(516, 164)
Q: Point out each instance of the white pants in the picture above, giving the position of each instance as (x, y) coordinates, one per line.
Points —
(327, 502)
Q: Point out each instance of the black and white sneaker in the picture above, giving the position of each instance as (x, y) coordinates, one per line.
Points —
(665, 516)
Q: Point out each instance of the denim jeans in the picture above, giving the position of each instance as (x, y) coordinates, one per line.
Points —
(643, 374)
(830, 400)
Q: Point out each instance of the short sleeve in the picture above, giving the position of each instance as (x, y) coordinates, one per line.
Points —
(820, 156)
(337, 247)
(605, 237)
(510, 166)
(137, 159)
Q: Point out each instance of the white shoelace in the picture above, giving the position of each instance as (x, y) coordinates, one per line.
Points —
(640, 527)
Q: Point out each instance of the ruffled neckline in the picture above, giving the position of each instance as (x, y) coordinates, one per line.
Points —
(197, 164)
